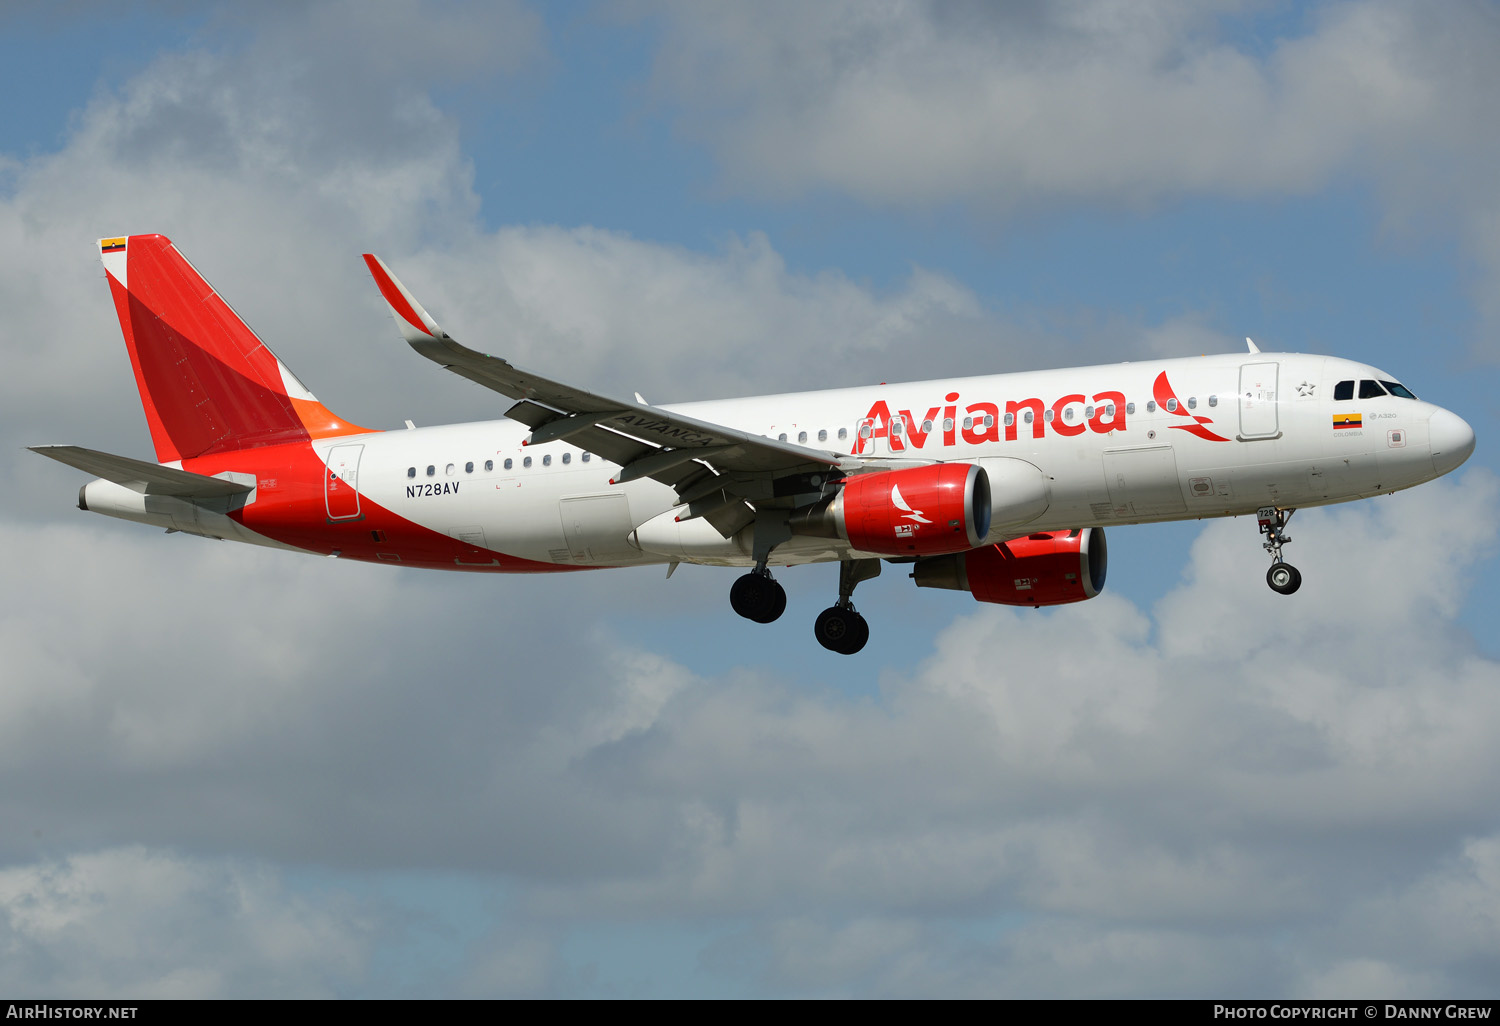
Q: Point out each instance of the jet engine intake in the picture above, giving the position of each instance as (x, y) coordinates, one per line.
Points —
(944, 507)
(1050, 568)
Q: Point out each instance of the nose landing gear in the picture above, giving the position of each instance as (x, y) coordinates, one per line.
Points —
(1282, 577)
(839, 628)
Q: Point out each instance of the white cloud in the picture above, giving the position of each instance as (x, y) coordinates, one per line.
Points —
(1022, 107)
(133, 923)
(1141, 800)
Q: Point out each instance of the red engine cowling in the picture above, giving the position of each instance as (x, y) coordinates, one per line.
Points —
(944, 507)
(1048, 569)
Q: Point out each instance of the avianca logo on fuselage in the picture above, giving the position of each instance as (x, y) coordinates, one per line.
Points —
(983, 422)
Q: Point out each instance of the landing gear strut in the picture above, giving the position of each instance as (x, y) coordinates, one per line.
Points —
(839, 628)
(1282, 577)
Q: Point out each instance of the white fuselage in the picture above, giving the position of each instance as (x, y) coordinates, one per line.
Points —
(1248, 430)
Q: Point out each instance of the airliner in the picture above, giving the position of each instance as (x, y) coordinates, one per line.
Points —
(999, 485)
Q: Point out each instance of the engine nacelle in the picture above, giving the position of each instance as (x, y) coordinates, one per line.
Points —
(1047, 569)
(944, 507)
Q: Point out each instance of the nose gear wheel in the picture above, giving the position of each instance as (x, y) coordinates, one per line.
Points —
(1282, 577)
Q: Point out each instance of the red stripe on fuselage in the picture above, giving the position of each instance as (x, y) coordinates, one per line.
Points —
(290, 508)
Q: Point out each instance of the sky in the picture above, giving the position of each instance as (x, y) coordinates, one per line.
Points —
(235, 772)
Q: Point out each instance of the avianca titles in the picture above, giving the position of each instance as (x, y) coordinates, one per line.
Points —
(999, 485)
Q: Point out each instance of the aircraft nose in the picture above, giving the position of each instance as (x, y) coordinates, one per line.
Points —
(1452, 440)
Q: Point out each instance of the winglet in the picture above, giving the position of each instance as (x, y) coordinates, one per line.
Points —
(415, 323)
(1253, 347)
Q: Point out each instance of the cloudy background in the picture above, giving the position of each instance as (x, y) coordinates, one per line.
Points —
(230, 772)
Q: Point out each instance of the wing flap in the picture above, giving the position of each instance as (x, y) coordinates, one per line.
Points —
(140, 476)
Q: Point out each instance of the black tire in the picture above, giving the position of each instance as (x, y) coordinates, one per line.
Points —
(1283, 578)
(757, 598)
(841, 630)
(775, 601)
(744, 596)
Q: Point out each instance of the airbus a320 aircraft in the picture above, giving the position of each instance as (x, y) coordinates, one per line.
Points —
(1000, 485)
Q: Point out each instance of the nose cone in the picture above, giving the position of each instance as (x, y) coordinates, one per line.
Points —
(1452, 440)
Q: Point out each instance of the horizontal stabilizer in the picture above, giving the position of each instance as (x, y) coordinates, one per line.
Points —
(140, 476)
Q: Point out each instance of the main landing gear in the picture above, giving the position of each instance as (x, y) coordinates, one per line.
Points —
(1282, 577)
(840, 628)
(757, 596)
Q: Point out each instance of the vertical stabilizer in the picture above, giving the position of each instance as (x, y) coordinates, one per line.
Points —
(207, 383)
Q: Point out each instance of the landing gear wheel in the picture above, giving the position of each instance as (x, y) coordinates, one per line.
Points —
(840, 629)
(758, 597)
(1283, 578)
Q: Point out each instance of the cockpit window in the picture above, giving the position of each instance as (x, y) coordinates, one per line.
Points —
(1370, 390)
(1343, 390)
(1398, 389)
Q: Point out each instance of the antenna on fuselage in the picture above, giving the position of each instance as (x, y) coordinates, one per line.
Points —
(1253, 347)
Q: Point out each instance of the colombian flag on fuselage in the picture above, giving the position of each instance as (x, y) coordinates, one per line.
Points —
(1347, 420)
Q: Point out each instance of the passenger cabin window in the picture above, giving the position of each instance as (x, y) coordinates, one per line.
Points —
(968, 423)
(448, 470)
(1370, 389)
(1151, 406)
(567, 457)
(547, 460)
(1029, 418)
(509, 464)
(526, 462)
(843, 433)
(1213, 400)
(801, 437)
(1343, 390)
(781, 437)
(1192, 402)
(489, 465)
(469, 467)
(1397, 389)
(1130, 407)
(989, 421)
(822, 434)
(585, 457)
(411, 471)
(1171, 405)
(431, 470)
(1010, 420)
(926, 427)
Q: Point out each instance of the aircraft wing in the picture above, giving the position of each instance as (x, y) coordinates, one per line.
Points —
(140, 476)
(712, 466)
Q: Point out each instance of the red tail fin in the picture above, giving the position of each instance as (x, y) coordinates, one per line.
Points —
(207, 382)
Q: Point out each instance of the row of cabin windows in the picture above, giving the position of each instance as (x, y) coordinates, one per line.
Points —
(898, 427)
(843, 435)
(1369, 389)
(489, 465)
